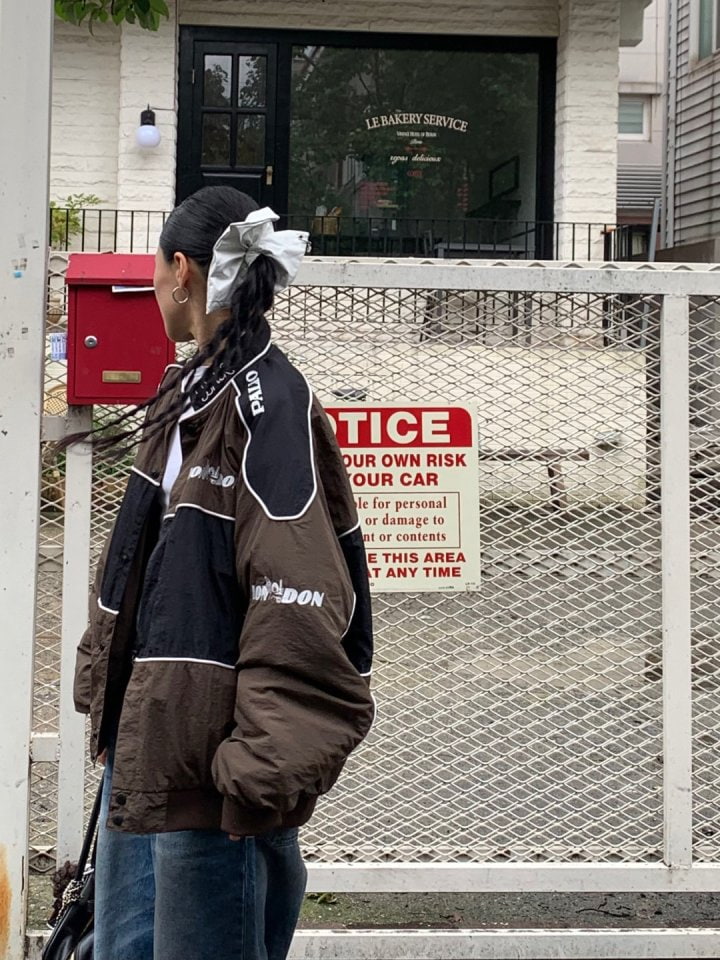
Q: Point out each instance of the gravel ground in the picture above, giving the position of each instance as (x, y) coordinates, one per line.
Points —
(460, 911)
(457, 911)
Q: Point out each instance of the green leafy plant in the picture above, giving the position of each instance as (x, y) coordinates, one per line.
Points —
(66, 218)
(323, 898)
(146, 13)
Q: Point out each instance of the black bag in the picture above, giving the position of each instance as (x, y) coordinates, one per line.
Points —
(73, 932)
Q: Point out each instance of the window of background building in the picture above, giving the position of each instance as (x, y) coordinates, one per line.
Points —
(410, 135)
(634, 118)
(708, 28)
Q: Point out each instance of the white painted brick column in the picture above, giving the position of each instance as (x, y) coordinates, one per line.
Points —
(586, 136)
(146, 176)
(86, 71)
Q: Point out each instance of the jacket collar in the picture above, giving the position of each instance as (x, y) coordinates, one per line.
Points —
(152, 455)
(217, 379)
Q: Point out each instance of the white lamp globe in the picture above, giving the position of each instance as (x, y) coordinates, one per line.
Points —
(147, 134)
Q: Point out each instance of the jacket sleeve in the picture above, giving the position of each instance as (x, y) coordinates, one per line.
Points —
(81, 683)
(358, 640)
(82, 689)
(301, 704)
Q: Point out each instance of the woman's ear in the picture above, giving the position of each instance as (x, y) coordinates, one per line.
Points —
(182, 269)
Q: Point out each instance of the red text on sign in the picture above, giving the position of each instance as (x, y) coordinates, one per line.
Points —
(392, 427)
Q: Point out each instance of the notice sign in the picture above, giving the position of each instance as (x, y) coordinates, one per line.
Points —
(414, 472)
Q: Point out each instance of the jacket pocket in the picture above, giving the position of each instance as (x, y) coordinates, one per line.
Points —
(174, 716)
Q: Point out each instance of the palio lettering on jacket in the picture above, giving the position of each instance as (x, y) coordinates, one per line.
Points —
(252, 378)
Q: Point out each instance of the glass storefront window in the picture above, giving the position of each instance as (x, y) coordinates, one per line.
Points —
(414, 136)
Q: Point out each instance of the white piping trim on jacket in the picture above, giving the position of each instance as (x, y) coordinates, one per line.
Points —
(375, 715)
(348, 532)
(312, 458)
(212, 663)
(195, 506)
(352, 614)
(107, 609)
(155, 483)
(368, 674)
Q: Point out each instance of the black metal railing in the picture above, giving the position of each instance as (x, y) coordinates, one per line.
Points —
(628, 241)
(137, 231)
(91, 229)
(438, 238)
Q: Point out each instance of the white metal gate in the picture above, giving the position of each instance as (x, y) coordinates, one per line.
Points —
(559, 729)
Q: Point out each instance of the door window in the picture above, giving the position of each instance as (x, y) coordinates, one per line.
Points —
(235, 138)
(252, 81)
(217, 73)
(216, 140)
(250, 140)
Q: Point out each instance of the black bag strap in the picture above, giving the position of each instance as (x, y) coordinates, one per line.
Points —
(90, 840)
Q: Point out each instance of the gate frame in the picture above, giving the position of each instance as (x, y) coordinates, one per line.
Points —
(26, 34)
(677, 872)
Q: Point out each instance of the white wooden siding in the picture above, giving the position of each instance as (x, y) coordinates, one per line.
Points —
(695, 173)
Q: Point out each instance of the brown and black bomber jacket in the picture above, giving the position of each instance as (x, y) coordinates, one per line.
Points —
(230, 641)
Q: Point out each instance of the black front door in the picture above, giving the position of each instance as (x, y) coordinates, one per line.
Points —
(227, 118)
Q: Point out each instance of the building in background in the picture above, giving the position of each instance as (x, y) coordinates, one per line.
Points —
(407, 127)
(641, 126)
(691, 222)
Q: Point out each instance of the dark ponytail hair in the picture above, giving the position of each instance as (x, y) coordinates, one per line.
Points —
(193, 228)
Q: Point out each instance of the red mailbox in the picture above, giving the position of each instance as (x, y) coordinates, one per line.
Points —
(117, 347)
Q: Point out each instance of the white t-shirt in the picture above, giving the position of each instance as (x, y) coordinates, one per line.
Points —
(175, 458)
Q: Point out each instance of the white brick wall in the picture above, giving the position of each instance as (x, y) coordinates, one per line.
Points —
(86, 84)
(146, 177)
(586, 134)
(531, 18)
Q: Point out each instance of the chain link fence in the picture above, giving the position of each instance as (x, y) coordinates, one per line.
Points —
(521, 722)
(46, 702)
(705, 546)
(517, 723)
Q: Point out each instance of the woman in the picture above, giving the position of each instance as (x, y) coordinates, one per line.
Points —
(226, 665)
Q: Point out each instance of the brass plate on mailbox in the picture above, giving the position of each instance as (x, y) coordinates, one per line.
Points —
(121, 376)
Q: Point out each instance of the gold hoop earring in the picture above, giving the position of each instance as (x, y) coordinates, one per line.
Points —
(186, 292)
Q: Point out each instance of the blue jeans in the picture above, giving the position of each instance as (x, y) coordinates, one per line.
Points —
(195, 894)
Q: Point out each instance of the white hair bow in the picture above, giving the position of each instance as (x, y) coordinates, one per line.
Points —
(241, 244)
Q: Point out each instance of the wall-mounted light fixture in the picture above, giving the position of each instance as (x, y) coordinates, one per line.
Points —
(147, 134)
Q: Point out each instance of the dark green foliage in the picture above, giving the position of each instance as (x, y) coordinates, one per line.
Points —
(146, 13)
